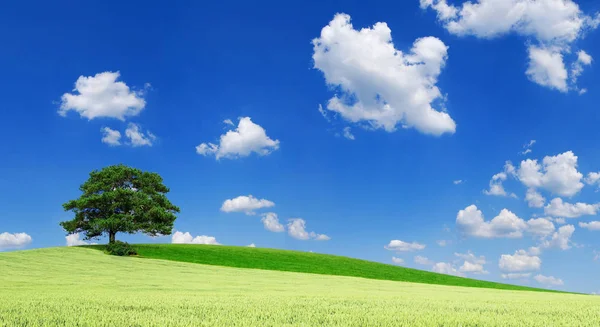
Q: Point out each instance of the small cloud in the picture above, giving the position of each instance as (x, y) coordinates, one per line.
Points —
(247, 204)
(187, 238)
(458, 181)
(348, 134)
(251, 245)
(74, 240)
(397, 261)
(246, 139)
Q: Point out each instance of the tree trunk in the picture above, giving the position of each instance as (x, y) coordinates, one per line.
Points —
(111, 236)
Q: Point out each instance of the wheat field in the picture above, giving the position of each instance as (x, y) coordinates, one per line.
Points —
(84, 287)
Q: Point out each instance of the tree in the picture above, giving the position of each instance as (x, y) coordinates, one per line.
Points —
(121, 199)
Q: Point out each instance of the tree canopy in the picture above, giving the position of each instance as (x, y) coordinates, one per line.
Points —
(121, 199)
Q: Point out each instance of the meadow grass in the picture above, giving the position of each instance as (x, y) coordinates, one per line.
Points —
(306, 262)
(84, 287)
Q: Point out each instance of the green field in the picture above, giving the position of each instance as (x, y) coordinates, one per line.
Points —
(306, 262)
(85, 287)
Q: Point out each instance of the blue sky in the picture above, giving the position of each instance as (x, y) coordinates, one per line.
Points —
(474, 90)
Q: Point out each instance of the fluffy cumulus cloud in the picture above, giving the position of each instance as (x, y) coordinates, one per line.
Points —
(593, 225)
(548, 280)
(534, 198)
(546, 68)
(519, 262)
(593, 178)
(187, 238)
(75, 240)
(271, 222)
(13, 241)
(137, 137)
(472, 263)
(247, 204)
(557, 174)
(103, 96)
(471, 257)
(540, 227)
(397, 261)
(475, 268)
(447, 268)
(111, 136)
(380, 85)
(551, 26)
(558, 208)
(297, 230)
(496, 187)
(423, 261)
(401, 246)
(252, 245)
(470, 221)
(560, 239)
(246, 139)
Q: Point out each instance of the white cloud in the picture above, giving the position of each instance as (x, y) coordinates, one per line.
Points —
(593, 178)
(548, 280)
(546, 68)
(252, 245)
(272, 223)
(474, 268)
(553, 25)
(187, 238)
(442, 242)
(137, 137)
(540, 227)
(110, 136)
(380, 85)
(324, 113)
(228, 122)
(297, 230)
(471, 257)
(496, 187)
(458, 181)
(534, 199)
(560, 239)
(423, 261)
(74, 240)
(472, 263)
(558, 208)
(247, 138)
(447, 268)
(583, 59)
(471, 222)
(557, 174)
(348, 133)
(320, 237)
(527, 147)
(14, 241)
(401, 246)
(102, 96)
(519, 262)
(534, 250)
(516, 276)
(397, 261)
(592, 225)
(247, 204)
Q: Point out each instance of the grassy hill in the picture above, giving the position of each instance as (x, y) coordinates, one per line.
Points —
(305, 262)
(84, 287)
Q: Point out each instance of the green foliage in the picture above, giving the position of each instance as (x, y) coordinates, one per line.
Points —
(121, 199)
(84, 287)
(306, 262)
(120, 248)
